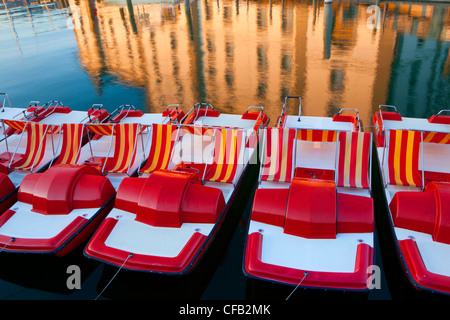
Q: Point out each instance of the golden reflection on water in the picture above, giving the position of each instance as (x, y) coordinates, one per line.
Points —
(236, 54)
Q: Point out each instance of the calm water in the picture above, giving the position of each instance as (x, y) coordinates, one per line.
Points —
(231, 54)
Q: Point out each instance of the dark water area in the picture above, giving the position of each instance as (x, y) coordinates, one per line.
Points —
(233, 55)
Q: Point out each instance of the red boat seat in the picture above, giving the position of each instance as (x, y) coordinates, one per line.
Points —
(201, 112)
(414, 210)
(63, 188)
(439, 119)
(352, 118)
(442, 227)
(126, 113)
(269, 206)
(3, 168)
(202, 204)
(354, 213)
(167, 199)
(427, 211)
(311, 209)
(7, 193)
(176, 115)
(391, 115)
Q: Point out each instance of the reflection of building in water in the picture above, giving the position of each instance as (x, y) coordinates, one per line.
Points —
(419, 84)
(236, 54)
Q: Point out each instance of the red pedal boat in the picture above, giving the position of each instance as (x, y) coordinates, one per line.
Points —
(413, 158)
(164, 220)
(31, 137)
(59, 208)
(312, 220)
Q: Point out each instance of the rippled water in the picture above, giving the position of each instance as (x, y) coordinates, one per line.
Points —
(231, 54)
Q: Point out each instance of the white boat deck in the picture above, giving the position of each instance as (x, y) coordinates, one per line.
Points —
(73, 116)
(27, 224)
(226, 120)
(146, 119)
(435, 255)
(8, 113)
(415, 124)
(132, 236)
(324, 255)
(322, 123)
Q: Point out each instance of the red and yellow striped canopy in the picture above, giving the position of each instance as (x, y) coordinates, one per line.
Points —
(353, 161)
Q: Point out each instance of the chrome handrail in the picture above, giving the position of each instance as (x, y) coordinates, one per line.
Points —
(299, 105)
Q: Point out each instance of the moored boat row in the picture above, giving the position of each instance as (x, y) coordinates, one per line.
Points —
(149, 191)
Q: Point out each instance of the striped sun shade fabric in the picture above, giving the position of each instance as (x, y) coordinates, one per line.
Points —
(403, 158)
(163, 139)
(101, 129)
(126, 135)
(436, 137)
(317, 135)
(227, 148)
(278, 158)
(35, 149)
(72, 140)
(353, 162)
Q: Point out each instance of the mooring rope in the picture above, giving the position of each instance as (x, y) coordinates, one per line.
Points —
(10, 240)
(304, 276)
(125, 261)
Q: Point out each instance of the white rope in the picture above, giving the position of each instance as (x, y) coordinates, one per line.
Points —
(129, 256)
(10, 240)
(305, 274)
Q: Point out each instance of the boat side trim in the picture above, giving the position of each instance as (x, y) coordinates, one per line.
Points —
(356, 280)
